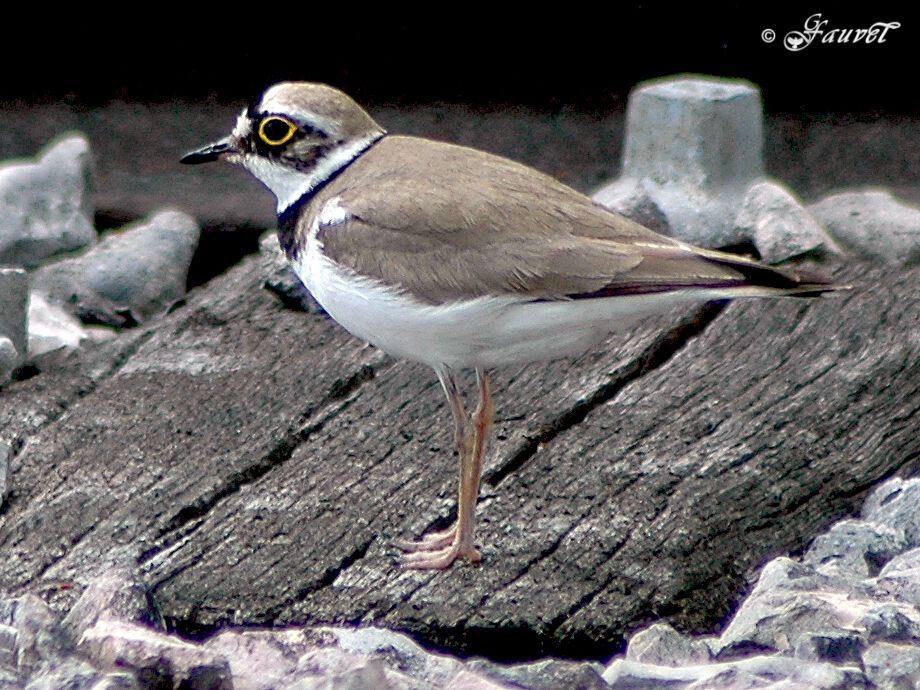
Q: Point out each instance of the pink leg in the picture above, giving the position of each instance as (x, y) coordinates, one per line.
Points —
(440, 549)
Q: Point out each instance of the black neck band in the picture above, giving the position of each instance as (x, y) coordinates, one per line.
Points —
(287, 219)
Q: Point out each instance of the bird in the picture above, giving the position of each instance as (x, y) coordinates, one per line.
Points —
(461, 259)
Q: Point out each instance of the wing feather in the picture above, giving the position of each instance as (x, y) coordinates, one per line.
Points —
(445, 222)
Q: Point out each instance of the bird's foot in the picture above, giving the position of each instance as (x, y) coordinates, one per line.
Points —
(438, 550)
(429, 542)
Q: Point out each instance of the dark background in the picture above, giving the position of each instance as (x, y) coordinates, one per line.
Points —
(561, 55)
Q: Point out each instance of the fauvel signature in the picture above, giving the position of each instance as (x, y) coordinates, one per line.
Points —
(815, 26)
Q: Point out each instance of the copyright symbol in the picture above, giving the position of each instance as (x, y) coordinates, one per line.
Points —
(768, 35)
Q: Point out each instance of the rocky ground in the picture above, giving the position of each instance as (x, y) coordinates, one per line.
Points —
(200, 490)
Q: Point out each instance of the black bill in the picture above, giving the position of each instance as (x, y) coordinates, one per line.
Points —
(211, 152)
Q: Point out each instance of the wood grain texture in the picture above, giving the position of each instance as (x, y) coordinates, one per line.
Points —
(255, 463)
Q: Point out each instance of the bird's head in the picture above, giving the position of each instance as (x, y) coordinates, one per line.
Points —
(294, 137)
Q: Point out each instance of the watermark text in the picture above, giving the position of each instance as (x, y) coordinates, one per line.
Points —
(818, 29)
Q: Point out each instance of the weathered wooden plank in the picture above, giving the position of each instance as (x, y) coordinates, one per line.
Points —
(242, 455)
(755, 436)
(232, 387)
(382, 467)
(210, 399)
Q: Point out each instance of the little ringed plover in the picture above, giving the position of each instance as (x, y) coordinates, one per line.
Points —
(461, 259)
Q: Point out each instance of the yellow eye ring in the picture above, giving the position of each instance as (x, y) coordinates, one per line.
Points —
(274, 130)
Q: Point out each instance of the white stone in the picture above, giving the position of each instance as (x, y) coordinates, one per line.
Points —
(892, 665)
(53, 332)
(661, 644)
(900, 577)
(895, 503)
(872, 224)
(751, 672)
(45, 204)
(850, 547)
(790, 599)
(779, 225)
(116, 645)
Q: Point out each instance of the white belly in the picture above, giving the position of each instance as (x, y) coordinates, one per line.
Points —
(483, 332)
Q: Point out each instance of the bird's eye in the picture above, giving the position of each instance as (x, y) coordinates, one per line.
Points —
(274, 130)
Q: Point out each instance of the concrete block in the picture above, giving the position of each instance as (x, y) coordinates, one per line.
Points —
(693, 157)
(700, 130)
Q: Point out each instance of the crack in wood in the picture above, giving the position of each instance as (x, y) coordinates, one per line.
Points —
(93, 381)
(192, 514)
(655, 356)
(327, 578)
(76, 539)
(190, 627)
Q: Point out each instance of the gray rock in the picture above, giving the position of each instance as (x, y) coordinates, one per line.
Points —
(130, 275)
(116, 594)
(321, 657)
(634, 675)
(872, 224)
(890, 665)
(9, 641)
(395, 650)
(330, 668)
(894, 504)
(634, 199)
(891, 623)
(14, 300)
(900, 578)
(751, 672)
(790, 599)
(281, 279)
(855, 548)
(46, 205)
(838, 647)
(851, 603)
(316, 658)
(546, 674)
(661, 644)
(153, 656)
(260, 658)
(39, 640)
(72, 674)
(10, 359)
(117, 681)
(8, 681)
(779, 225)
(5, 453)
